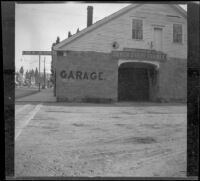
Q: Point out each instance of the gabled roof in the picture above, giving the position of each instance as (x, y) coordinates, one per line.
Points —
(106, 20)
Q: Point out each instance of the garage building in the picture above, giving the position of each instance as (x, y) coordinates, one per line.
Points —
(136, 54)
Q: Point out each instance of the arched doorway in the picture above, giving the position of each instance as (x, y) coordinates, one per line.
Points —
(136, 81)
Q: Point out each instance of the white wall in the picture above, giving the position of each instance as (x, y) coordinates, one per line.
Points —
(120, 30)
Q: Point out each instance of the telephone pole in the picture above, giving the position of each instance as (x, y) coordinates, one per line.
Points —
(44, 74)
(47, 53)
(39, 72)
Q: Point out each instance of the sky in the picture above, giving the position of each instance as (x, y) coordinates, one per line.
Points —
(38, 25)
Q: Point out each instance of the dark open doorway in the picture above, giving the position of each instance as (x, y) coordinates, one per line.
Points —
(134, 81)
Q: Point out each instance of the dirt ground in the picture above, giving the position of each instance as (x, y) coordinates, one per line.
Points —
(123, 139)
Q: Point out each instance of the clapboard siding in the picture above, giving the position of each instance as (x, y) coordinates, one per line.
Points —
(120, 30)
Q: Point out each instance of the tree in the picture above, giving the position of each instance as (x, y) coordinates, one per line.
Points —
(53, 44)
(32, 73)
(27, 75)
(17, 77)
(36, 72)
(36, 76)
(21, 70)
(69, 34)
(58, 40)
(77, 30)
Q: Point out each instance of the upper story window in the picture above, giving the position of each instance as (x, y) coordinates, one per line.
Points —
(137, 29)
(177, 33)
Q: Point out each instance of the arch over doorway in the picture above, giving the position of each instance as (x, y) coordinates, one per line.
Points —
(153, 63)
(137, 80)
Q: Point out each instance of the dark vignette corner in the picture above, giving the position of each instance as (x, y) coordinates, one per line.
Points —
(8, 47)
(193, 87)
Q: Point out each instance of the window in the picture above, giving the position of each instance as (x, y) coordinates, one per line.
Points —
(137, 30)
(177, 33)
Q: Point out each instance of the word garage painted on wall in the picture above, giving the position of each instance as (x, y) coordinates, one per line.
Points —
(79, 75)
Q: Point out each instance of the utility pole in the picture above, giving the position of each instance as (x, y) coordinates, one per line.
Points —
(44, 74)
(46, 53)
(39, 72)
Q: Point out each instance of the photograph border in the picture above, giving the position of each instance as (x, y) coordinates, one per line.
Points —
(193, 102)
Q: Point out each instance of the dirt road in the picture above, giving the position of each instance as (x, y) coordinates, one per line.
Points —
(100, 140)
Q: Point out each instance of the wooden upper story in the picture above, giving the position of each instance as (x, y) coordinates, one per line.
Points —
(159, 27)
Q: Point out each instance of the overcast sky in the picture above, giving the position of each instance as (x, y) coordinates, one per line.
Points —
(38, 25)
